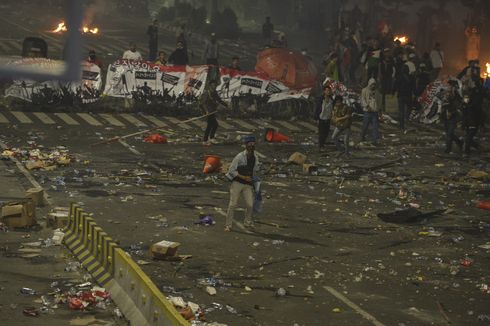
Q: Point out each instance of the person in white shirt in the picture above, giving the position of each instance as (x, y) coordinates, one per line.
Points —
(132, 54)
(437, 60)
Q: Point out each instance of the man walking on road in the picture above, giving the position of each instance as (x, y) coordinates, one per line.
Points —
(450, 115)
(324, 115)
(152, 33)
(370, 106)
(342, 119)
(208, 103)
(242, 171)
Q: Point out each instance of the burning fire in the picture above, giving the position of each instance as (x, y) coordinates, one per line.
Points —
(85, 29)
(486, 73)
(403, 39)
(61, 28)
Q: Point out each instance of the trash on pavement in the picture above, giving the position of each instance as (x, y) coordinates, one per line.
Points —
(19, 214)
(164, 249)
(210, 290)
(31, 312)
(205, 220)
(156, 139)
(36, 195)
(409, 215)
(484, 205)
(211, 164)
(297, 158)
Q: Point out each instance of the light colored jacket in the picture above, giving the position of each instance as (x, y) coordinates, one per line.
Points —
(241, 160)
(437, 58)
(369, 98)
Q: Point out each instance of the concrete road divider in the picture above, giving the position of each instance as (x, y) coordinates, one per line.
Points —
(131, 289)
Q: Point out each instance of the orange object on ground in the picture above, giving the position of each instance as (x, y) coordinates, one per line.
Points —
(211, 163)
(156, 139)
(273, 136)
(484, 205)
(291, 67)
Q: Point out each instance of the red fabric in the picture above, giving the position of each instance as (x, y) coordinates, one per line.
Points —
(290, 67)
(156, 139)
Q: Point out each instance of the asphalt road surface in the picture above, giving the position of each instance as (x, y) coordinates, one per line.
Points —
(318, 237)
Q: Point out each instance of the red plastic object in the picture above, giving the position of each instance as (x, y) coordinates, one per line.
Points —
(273, 136)
(466, 262)
(484, 205)
(211, 163)
(75, 304)
(156, 139)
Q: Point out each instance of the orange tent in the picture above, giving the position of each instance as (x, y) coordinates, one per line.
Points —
(290, 67)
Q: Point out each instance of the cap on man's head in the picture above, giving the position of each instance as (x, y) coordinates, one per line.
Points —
(249, 139)
(411, 55)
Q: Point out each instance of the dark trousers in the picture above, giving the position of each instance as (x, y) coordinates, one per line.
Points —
(404, 104)
(153, 49)
(451, 137)
(211, 127)
(370, 118)
(323, 130)
(469, 140)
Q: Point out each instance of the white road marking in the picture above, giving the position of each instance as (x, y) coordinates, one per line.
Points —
(21, 117)
(199, 123)
(67, 119)
(288, 125)
(225, 125)
(89, 119)
(133, 120)
(131, 149)
(113, 121)
(244, 124)
(352, 305)
(157, 122)
(3, 119)
(44, 118)
(178, 123)
(308, 125)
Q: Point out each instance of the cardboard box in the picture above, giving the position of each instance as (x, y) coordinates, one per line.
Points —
(163, 249)
(37, 196)
(19, 214)
(58, 218)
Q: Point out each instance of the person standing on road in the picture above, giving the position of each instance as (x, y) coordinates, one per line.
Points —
(473, 118)
(450, 116)
(152, 33)
(179, 56)
(208, 103)
(211, 51)
(404, 88)
(132, 54)
(267, 31)
(370, 106)
(437, 61)
(342, 120)
(242, 172)
(324, 116)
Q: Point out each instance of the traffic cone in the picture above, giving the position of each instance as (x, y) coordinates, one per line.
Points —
(273, 136)
(211, 163)
(484, 205)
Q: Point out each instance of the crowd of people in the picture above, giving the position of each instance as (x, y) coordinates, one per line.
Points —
(384, 66)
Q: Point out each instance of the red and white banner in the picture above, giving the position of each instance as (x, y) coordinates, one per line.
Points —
(127, 76)
(87, 90)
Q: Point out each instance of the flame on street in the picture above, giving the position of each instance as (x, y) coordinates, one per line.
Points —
(85, 29)
(403, 39)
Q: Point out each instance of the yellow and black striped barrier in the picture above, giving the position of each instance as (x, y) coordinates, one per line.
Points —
(131, 289)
